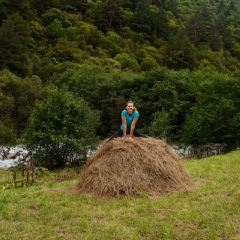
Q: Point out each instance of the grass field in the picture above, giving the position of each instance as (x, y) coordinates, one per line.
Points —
(210, 210)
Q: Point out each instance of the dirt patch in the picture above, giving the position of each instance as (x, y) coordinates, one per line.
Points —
(125, 167)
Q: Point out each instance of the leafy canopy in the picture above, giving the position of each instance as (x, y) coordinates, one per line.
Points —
(60, 129)
(216, 115)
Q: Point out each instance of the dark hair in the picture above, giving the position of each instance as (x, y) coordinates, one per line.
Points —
(134, 108)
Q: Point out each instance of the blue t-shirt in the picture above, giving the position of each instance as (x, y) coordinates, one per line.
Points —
(129, 119)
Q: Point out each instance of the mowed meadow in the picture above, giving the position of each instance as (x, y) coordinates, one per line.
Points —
(209, 210)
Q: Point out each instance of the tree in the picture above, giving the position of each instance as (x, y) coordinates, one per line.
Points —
(15, 40)
(96, 16)
(216, 115)
(161, 125)
(113, 11)
(144, 18)
(113, 44)
(164, 97)
(148, 63)
(8, 81)
(55, 14)
(8, 7)
(75, 6)
(127, 62)
(91, 83)
(29, 90)
(60, 129)
(42, 6)
(7, 135)
(196, 28)
(17, 99)
(162, 24)
(181, 51)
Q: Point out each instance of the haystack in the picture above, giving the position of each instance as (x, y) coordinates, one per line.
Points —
(125, 167)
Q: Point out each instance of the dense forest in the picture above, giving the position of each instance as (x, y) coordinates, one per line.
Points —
(177, 60)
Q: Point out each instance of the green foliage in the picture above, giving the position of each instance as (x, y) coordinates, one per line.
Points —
(91, 83)
(144, 18)
(60, 129)
(55, 30)
(113, 44)
(181, 51)
(65, 51)
(7, 135)
(8, 82)
(161, 125)
(86, 82)
(89, 35)
(172, 92)
(148, 63)
(113, 11)
(27, 178)
(30, 89)
(178, 29)
(8, 90)
(215, 116)
(41, 41)
(127, 62)
(8, 7)
(18, 98)
(51, 15)
(14, 45)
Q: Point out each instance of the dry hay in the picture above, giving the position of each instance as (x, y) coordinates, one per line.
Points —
(125, 167)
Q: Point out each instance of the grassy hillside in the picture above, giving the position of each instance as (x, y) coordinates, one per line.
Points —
(210, 210)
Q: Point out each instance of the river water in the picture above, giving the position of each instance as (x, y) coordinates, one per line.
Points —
(18, 153)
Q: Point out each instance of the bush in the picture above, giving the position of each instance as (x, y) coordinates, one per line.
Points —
(60, 129)
(215, 116)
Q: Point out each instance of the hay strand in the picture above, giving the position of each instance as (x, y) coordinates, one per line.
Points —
(125, 167)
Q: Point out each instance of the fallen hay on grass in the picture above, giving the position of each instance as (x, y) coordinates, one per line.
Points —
(125, 167)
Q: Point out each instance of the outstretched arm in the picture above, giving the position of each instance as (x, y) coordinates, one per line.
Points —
(124, 121)
(133, 127)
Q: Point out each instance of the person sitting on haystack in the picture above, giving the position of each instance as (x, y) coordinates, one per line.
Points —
(129, 118)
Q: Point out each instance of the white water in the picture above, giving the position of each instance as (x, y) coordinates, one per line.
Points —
(20, 154)
(8, 163)
(5, 164)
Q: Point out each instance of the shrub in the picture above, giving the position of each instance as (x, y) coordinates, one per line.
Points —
(60, 129)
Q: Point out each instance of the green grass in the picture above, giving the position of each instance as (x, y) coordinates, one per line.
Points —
(5, 176)
(210, 210)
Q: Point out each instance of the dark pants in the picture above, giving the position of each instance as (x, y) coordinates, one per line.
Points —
(119, 133)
